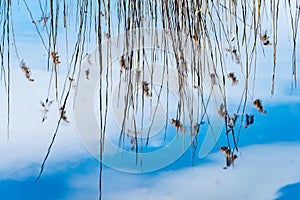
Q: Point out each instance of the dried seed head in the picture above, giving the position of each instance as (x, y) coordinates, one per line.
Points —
(55, 58)
(222, 111)
(178, 125)
(87, 74)
(123, 64)
(45, 108)
(63, 115)
(44, 20)
(146, 89)
(259, 107)
(196, 128)
(249, 120)
(42, 104)
(213, 79)
(225, 150)
(26, 71)
(233, 78)
(267, 43)
(106, 36)
(265, 39)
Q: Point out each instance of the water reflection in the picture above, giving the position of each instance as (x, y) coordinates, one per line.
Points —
(289, 192)
(71, 174)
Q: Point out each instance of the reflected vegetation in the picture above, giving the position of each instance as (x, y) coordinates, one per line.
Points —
(216, 47)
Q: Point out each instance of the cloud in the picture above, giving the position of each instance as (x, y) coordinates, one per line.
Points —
(259, 172)
(29, 137)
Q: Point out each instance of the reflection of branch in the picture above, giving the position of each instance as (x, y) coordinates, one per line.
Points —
(233, 136)
(34, 23)
(48, 152)
(55, 134)
(294, 25)
(275, 9)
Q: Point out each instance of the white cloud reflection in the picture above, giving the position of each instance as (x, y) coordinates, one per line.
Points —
(260, 171)
(29, 137)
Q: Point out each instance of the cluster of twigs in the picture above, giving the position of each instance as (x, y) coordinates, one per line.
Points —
(216, 29)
